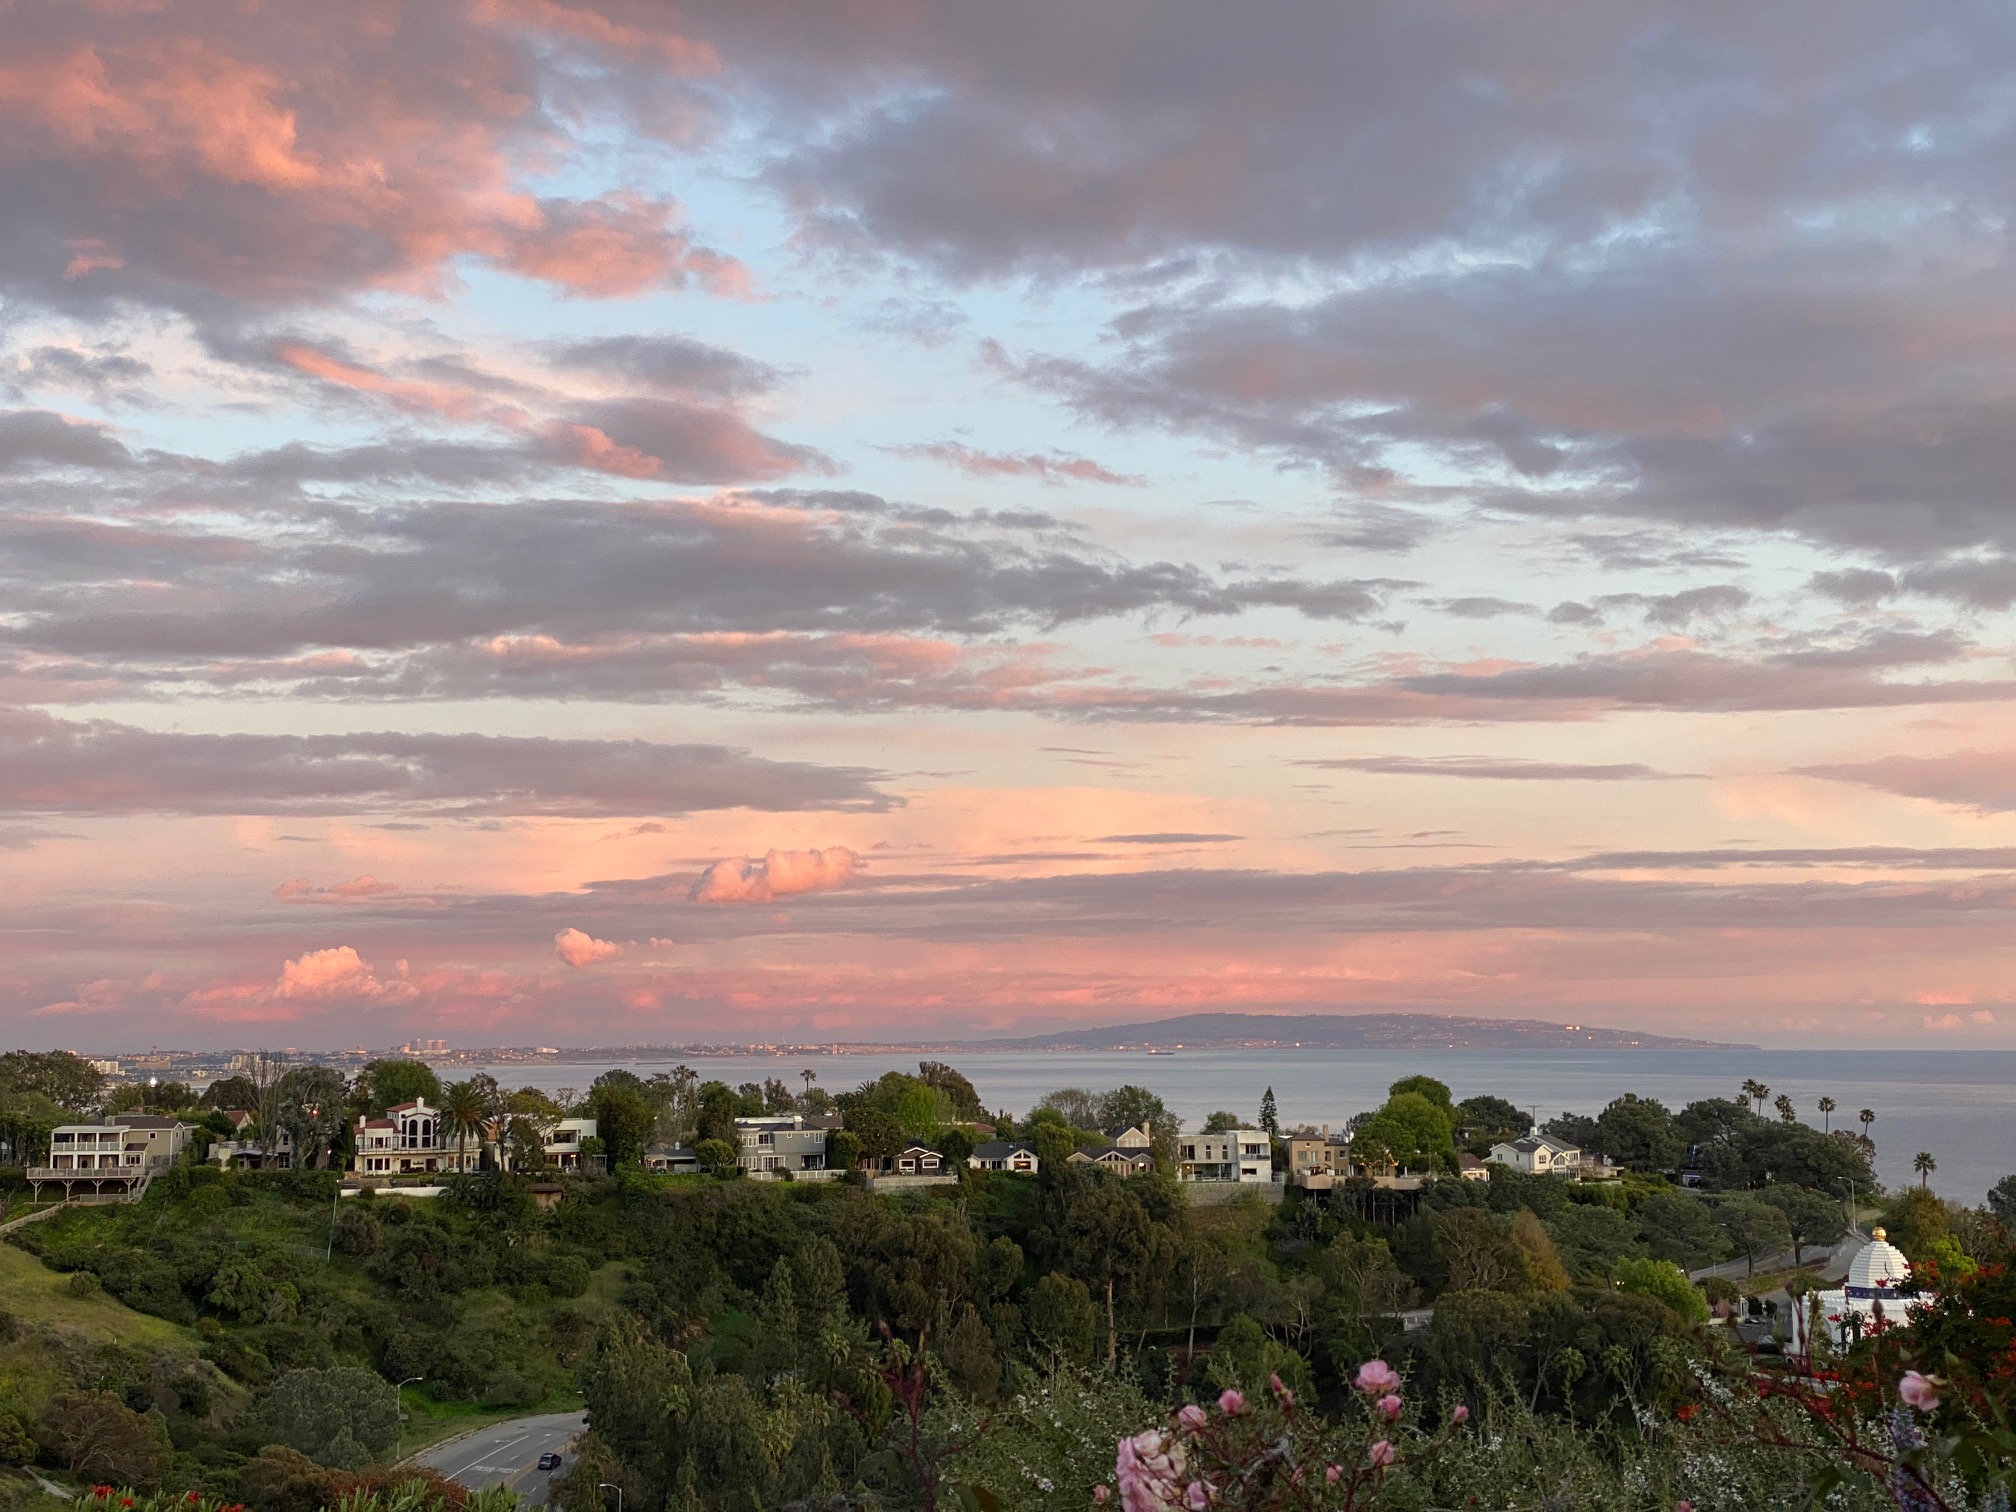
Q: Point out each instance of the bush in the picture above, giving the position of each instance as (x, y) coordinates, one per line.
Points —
(1663, 1281)
(342, 1418)
(83, 1284)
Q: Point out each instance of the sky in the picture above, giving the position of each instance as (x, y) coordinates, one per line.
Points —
(583, 522)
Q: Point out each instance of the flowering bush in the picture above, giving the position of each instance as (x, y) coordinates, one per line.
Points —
(1266, 1455)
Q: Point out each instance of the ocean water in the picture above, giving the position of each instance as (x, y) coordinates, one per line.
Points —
(1958, 1105)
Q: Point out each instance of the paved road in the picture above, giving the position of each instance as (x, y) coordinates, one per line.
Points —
(507, 1454)
(1832, 1263)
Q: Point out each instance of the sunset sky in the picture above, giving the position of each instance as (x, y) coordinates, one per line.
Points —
(539, 521)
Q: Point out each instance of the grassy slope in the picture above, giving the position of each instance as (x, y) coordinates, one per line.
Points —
(35, 1294)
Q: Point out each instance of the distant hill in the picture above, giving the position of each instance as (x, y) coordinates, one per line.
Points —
(1350, 1031)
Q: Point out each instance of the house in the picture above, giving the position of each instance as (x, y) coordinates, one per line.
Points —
(1005, 1155)
(115, 1158)
(407, 1141)
(671, 1160)
(1317, 1160)
(792, 1142)
(246, 1150)
(562, 1142)
(1470, 1168)
(1122, 1162)
(1242, 1155)
(1137, 1138)
(1538, 1155)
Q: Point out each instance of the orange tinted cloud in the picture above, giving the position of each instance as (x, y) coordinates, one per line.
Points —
(780, 874)
(577, 949)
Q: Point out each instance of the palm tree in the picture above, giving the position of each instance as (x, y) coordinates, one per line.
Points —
(1786, 1112)
(1827, 1106)
(1924, 1165)
(1866, 1117)
(1755, 1090)
(463, 1111)
(810, 1077)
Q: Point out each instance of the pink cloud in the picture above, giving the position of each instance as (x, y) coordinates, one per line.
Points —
(336, 975)
(301, 890)
(780, 874)
(578, 949)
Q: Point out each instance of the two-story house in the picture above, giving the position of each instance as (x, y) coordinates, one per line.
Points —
(1538, 1155)
(1243, 1155)
(114, 1158)
(245, 1150)
(409, 1140)
(1318, 1159)
(793, 1142)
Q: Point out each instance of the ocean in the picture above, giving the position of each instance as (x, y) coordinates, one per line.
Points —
(1958, 1105)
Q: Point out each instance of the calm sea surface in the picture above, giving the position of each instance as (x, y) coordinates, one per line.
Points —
(1959, 1105)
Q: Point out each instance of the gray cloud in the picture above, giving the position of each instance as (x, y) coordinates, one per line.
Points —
(53, 766)
(1499, 768)
(1984, 781)
(668, 364)
(1167, 837)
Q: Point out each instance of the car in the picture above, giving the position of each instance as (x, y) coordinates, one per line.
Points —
(549, 1461)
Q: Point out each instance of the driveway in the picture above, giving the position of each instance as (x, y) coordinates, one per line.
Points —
(507, 1454)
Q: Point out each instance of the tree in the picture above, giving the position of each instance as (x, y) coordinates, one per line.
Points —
(311, 1109)
(1436, 1092)
(1809, 1217)
(1270, 1117)
(1060, 1317)
(1786, 1112)
(1221, 1122)
(1132, 1107)
(463, 1115)
(1075, 1105)
(1755, 1091)
(385, 1084)
(1754, 1228)
(625, 1118)
(1475, 1253)
(1866, 1117)
(2002, 1201)
(1104, 1234)
(965, 1099)
(1492, 1118)
(716, 1157)
(342, 1417)
(843, 1149)
(1924, 1165)
(66, 1080)
(1827, 1105)
(1410, 1129)
(1639, 1132)
(1664, 1281)
(99, 1437)
(1680, 1227)
(1592, 1239)
(1541, 1260)
(228, 1092)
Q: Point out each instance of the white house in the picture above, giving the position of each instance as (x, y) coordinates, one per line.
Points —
(114, 1158)
(1005, 1155)
(563, 1142)
(408, 1140)
(1244, 1155)
(1538, 1155)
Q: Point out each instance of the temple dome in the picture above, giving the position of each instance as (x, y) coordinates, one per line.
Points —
(1880, 1265)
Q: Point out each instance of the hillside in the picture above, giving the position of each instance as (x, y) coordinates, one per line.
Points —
(1352, 1031)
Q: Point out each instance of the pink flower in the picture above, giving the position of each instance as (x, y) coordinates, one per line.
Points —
(1389, 1405)
(1460, 1415)
(1376, 1378)
(1196, 1498)
(1192, 1417)
(1149, 1468)
(1331, 1474)
(1921, 1391)
(1683, 1505)
(1382, 1453)
(1287, 1397)
(1099, 1495)
(1232, 1401)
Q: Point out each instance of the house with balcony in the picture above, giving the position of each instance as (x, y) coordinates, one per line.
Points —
(246, 1150)
(407, 1141)
(785, 1143)
(112, 1160)
(1318, 1159)
(562, 1143)
(1240, 1155)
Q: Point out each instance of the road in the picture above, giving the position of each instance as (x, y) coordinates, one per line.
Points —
(507, 1454)
(1831, 1263)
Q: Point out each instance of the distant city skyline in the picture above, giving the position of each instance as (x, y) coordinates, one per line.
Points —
(576, 522)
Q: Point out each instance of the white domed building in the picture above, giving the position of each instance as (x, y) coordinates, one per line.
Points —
(1879, 1292)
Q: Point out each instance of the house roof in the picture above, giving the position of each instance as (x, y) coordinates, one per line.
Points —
(1467, 1162)
(1527, 1144)
(1001, 1149)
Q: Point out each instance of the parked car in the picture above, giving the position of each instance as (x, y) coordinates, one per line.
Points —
(549, 1461)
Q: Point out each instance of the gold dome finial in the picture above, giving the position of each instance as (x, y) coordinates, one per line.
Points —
(1878, 1235)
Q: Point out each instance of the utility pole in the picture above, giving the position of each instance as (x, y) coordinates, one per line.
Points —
(400, 1453)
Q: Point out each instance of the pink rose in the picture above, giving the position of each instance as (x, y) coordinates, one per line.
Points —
(1332, 1473)
(1099, 1495)
(1376, 1378)
(1460, 1415)
(1921, 1391)
(1382, 1453)
(1149, 1469)
(1232, 1402)
(1683, 1505)
(1287, 1397)
(1389, 1405)
(1192, 1417)
(1196, 1498)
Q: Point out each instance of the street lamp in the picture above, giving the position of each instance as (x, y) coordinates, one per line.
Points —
(400, 1392)
(612, 1486)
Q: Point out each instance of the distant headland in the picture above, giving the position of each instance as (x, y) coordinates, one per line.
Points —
(1349, 1031)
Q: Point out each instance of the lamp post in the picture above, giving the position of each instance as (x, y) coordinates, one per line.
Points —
(400, 1391)
(612, 1486)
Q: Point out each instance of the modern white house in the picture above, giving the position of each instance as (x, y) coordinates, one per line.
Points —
(562, 1142)
(1010, 1155)
(1538, 1155)
(1242, 1155)
(1879, 1293)
(113, 1159)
